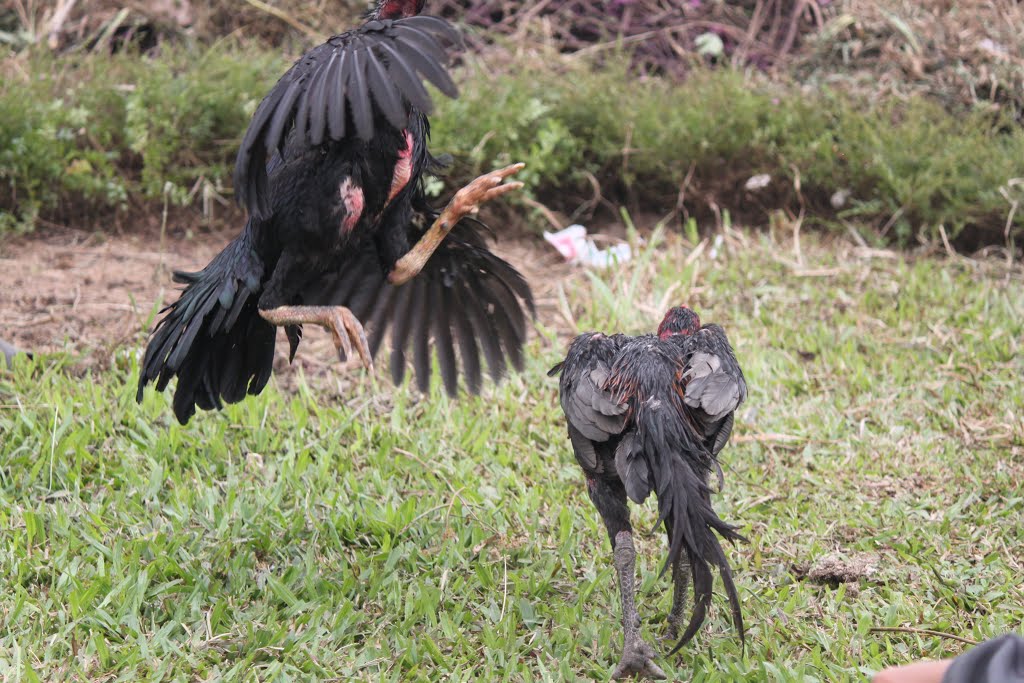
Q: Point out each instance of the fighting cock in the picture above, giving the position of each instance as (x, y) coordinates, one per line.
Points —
(651, 414)
(331, 220)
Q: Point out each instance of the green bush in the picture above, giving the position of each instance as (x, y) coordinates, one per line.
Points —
(96, 132)
(909, 167)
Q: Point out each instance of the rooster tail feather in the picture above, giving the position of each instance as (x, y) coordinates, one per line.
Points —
(684, 504)
(212, 338)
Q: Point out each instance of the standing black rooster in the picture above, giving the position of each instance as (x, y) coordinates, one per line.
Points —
(652, 413)
(332, 217)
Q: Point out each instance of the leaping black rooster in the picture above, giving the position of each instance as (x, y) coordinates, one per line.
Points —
(332, 218)
(651, 414)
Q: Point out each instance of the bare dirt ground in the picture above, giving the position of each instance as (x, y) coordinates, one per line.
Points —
(91, 294)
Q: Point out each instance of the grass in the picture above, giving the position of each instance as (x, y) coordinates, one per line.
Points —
(383, 536)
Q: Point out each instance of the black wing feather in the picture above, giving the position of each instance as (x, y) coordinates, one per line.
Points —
(483, 331)
(382, 312)
(508, 319)
(435, 26)
(713, 385)
(302, 104)
(343, 88)
(274, 139)
(443, 337)
(424, 42)
(400, 332)
(594, 412)
(385, 94)
(318, 107)
(335, 86)
(421, 334)
(359, 98)
(468, 351)
(404, 75)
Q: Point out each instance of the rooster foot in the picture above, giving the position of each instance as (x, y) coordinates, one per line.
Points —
(483, 189)
(346, 330)
(671, 633)
(638, 660)
(466, 202)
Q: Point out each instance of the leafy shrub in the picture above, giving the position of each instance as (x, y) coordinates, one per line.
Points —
(93, 134)
(96, 131)
(908, 167)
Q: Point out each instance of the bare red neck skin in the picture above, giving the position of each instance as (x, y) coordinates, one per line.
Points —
(398, 9)
(403, 168)
(678, 321)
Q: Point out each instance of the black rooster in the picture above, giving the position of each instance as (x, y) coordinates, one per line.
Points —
(332, 218)
(651, 414)
(10, 351)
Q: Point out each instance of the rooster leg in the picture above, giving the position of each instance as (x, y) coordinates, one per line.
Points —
(466, 201)
(344, 327)
(681, 583)
(637, 656)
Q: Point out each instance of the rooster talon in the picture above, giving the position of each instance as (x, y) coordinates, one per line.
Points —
(344, 349)
(510, 170)
(499, 190)
(499, 177)
(646, 670)
(638, 660)
(356, 337)
(341, 339)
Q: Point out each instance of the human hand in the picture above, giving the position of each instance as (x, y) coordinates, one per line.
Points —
(918, 672)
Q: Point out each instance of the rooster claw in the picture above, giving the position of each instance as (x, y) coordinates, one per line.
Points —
(466, 202)
(483, 189)
(346, 330)
(638, 660)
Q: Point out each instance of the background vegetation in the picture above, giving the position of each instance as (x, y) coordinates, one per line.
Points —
(878, 117)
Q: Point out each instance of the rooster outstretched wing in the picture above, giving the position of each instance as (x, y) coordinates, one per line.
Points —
(465, 296)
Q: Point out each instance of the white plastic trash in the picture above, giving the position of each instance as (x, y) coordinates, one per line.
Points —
(570, 242)
(576, 248)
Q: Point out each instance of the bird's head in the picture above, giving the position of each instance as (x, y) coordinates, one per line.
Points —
(678, 321)
(397, 9)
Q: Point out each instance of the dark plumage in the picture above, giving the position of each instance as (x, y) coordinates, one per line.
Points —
(650, 414)
(333, 218)
(10, 351)
(464, 296)
(343, 90)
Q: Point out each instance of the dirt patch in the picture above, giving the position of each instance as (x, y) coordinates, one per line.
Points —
(89, 294)
(836, 568)
(74, 292)
(888, 487)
